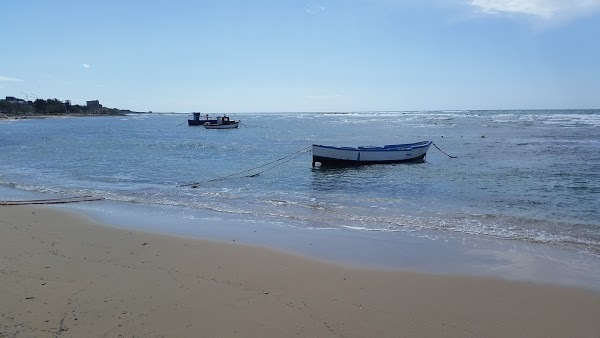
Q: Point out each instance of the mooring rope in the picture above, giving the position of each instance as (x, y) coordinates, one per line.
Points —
(62, 200)
(438, 148)
(304, 151)
(296, 153)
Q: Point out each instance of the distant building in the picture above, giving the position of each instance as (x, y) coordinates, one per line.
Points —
(93, 104)
(14, 99)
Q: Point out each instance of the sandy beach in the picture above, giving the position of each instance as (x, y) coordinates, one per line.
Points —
(62, 274)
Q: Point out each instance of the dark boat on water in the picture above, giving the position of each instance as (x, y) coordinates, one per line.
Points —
(197, 121)
(223, 122)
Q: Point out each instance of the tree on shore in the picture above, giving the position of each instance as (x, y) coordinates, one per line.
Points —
(50, 106)
(12, 106)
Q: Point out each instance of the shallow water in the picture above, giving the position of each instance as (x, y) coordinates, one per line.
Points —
(532, 176)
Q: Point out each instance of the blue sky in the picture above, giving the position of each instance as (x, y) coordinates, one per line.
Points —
(330, 55)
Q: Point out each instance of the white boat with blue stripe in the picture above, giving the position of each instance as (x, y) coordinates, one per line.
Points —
(223, 122)
(392, 153)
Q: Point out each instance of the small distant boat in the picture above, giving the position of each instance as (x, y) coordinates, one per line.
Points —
(197, 121)
(222, 122)
(393, 153)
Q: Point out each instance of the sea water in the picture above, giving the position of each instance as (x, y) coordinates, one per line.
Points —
(520, 179)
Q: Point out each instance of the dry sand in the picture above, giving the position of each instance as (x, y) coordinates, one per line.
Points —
(62, 274)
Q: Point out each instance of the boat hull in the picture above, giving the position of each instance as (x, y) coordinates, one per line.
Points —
(200, 122)
(221, 126)
(350, 156)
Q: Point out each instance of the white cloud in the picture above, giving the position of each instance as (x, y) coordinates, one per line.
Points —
(544, 9)
(314, 9)
(85, 65)
(5, 78)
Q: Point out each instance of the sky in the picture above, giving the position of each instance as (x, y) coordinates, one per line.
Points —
(303, 56)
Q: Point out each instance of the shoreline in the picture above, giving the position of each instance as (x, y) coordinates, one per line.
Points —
(424, 251)
(42, 116)
(62, 273)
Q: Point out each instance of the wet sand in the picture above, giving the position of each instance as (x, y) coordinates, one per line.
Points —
(62, 274)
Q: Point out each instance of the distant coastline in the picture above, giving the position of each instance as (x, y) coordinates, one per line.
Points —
(16, 108)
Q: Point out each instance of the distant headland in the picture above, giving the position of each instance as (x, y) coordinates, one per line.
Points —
(16, 108)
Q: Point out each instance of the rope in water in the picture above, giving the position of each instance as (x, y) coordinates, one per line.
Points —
(288, 158)
(304, 151)
(438, 148)
(53, 200)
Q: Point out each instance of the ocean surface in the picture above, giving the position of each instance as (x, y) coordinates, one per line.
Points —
(520, 177)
